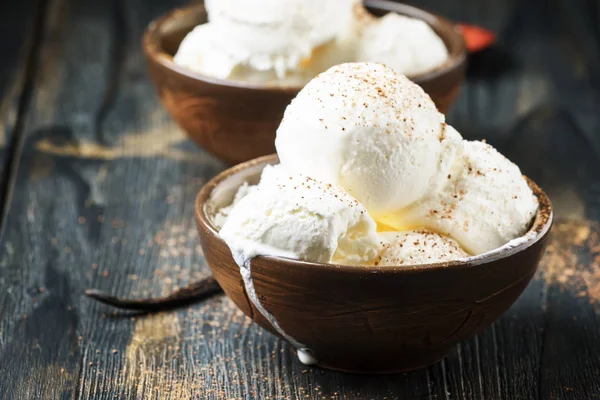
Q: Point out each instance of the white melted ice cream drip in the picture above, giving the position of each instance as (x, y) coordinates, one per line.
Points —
(305, 355)
(297, 217)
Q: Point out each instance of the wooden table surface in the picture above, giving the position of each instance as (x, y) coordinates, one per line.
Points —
(97, 187)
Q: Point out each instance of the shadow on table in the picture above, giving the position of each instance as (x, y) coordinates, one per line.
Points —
(490, 64)
(551, 147)
(410, 385)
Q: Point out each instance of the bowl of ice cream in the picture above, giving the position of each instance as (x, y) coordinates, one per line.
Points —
(229, 94)
(377, 237)
(377, 319)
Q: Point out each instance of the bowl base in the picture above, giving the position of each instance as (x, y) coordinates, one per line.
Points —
(386, 366)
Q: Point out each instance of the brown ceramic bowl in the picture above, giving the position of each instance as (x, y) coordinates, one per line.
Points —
(237, 121)
(372, 319)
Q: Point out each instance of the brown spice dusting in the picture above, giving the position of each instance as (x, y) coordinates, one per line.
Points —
(572, 259)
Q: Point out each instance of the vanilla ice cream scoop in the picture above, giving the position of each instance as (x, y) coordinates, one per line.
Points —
(294, 216)
(220, 216)
(370, 130)
(408, 45)
(417, 247)
(201, 51)
(267, 39)
(312, 21)
(485, 203)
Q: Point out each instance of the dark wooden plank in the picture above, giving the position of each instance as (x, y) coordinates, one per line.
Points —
(19, 38)
(81, 154)
(104, 198)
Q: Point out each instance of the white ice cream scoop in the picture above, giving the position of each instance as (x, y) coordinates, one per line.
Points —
(298, 217)
(267, 39)
(417, 247)
(370, 130)
(408, 45)
(485, 203)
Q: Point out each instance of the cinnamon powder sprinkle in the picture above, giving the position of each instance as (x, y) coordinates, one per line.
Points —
(572, 259)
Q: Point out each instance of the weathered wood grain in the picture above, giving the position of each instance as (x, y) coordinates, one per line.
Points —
(84, 149)
(103, 197)
(19, 30)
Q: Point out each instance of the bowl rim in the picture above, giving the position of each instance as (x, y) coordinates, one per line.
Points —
(457, 52)
(540, 227)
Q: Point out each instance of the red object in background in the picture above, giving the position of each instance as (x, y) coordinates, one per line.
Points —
(477, 38)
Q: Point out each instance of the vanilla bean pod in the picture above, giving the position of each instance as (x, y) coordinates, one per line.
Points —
(195, 291)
